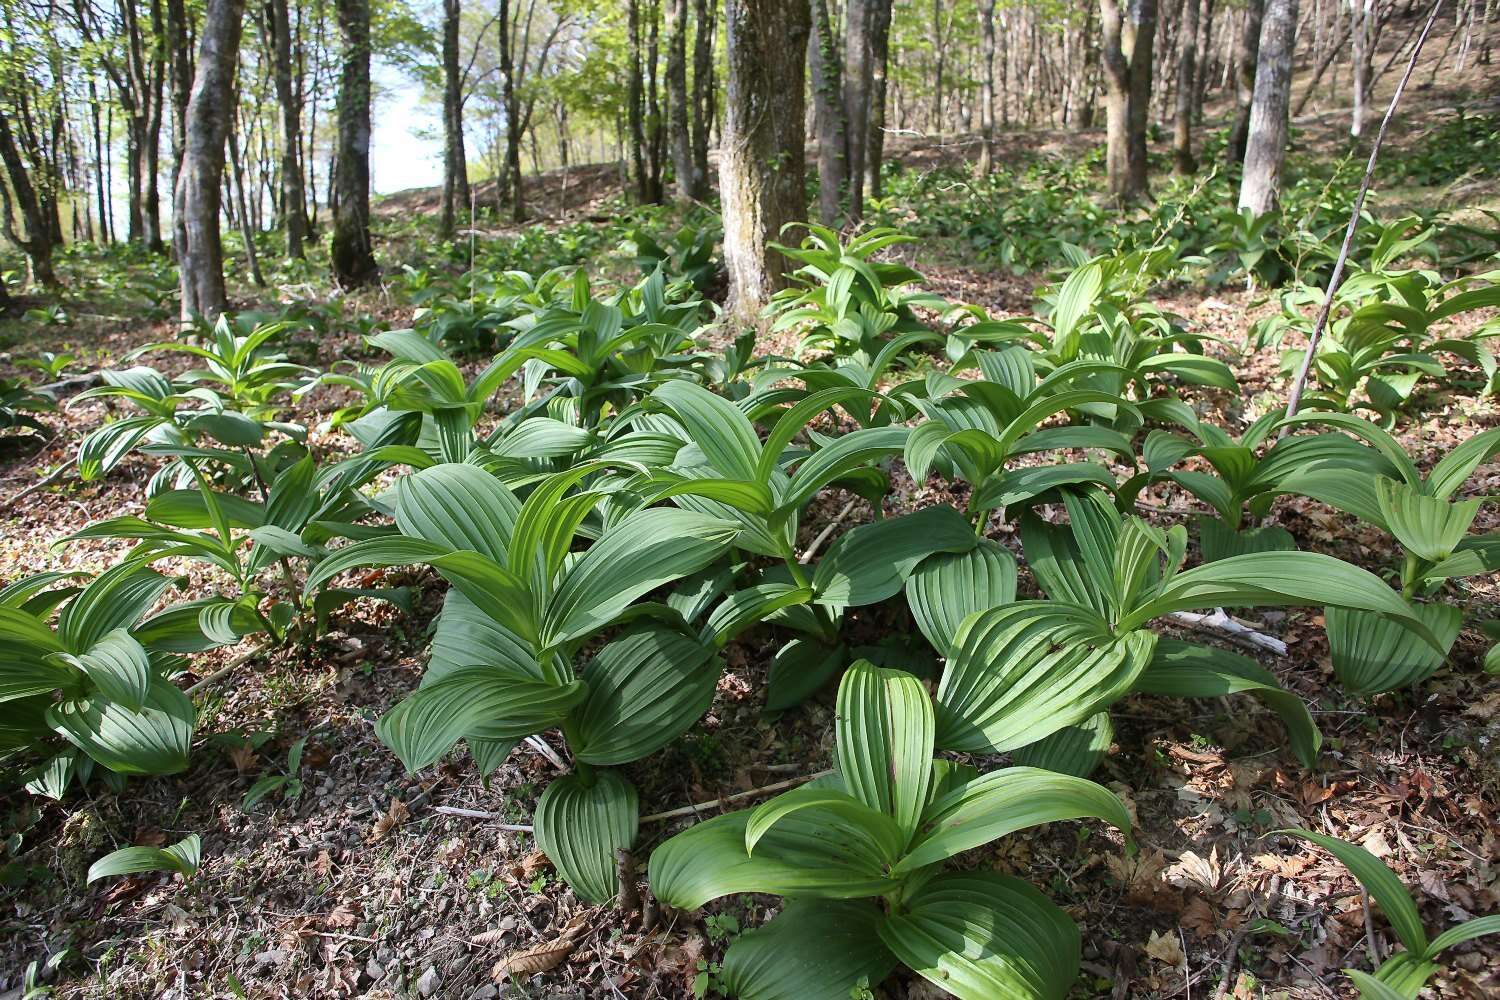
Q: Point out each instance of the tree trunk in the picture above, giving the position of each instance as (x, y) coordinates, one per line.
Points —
(512, 115)
(1126, 54)
(636, 98)
(679, 138)
(880, 49)
(242, 201)
(351, 254)
(703, 91)
(1265, 146)
(1187, 75)
(1362, 26)
(762, 157)
(200, 254)
(828, 113)
(1246, 57)
(292, 198)
(858, 80)
(987, 86)
(455, 164)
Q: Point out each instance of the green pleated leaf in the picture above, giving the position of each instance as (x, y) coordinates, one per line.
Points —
(1371, 988)
(1405, 973)
(1466, 931)
(838, 814)
(119, 668)
(947, 587)
(460, 507)
(1019, 486)
(492, 588)
(106, 446)
(1186, 670)
(799, 669)
(467, 637)
(114, 599)
(182, 857)
(233, 429)
(154, 740)
(984, 936)
(1000, 803)
(488, 701)
(1023, 671)
(637, 555)
(1380, 882)
(1372, 653)
(1220, 541)
(385, 551)
(646, 689)
(871, 562)
(187, 509)
(814, 949)
(580, 825)
(195, 626)
(719, 428)
(1077, 750)
(1454, 469)
(744, 608)
(849, 452)
(1428, 526)
(797, 857)
(884, 734)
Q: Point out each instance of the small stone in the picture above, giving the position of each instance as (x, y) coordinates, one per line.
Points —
(374, 970)
(486, 992)
(428, 984)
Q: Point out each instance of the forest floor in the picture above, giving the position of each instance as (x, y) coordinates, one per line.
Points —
(362, 887)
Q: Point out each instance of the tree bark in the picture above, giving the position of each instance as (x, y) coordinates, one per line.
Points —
(679, 138)
(1362, 26)
(1265, 145)
(857, 82)
(200, 254)
(987, 86)
(828, 113)
(703, 91)
(455, 163)
(761, 164)
(635, 94)
(880, 49)
(292, 198)
(351, 254)
(513, 127)
(1246, 57)
(1187, 75)
(1125, 51)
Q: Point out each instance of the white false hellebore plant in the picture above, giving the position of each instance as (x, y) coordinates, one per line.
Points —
(860, 858)
(521, 606)
(1019, 672)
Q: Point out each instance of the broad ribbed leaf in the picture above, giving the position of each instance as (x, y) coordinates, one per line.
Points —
(814, 949)
(1019, 486)
(797, 857)
(186, 509)
(114, 599)
(488, 701)
(799, 669)
(119, 668)
(1023, 671)
(719, 428)
(460, 507)
(838, 814)
(849, 452)
(947, 587)
(467, 637)
(154, 740)
(637, 555)
(645, 689)
(390, 550)
(1380, 882)
(1219, 541)
(871, 562)
(1466, 931)
(581, 824)
(985, 936)
(105, 446)
(1077, 750)
(182, 857)
(1427, 526)
(884, 734)
(1372, 653)
(744, 608)
(494, 589)
(489, 754)
(1185, 670)
(1455, 467)
(1371, 988)
(1000, 803)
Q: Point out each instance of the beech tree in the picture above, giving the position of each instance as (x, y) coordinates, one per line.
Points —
(1246, 56)
(829, 122)
(455, 163)
(1265, 145)
(1187, 58)
(200, 252)
(762, 159)
(293, 201)
(352, 255)
(1125, 50)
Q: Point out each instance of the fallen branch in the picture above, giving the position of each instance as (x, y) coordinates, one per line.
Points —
(1218, 621)
(42, 484)
(1294, 398)
(817, 543)
(481, 814)
(229, 667)
(542, 747)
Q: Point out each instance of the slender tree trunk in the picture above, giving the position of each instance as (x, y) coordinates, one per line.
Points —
(512, 104)
(655, 130)
(1126, 53)
(455, 164)
(636, 97)
(1265, 146)
(1362, 26)
(987, 85)
(1246, 58)
(828, 113)
(351, 253)
(762, 159)
(857, 83)
(704, 13)
(1187, 56)
(200, 255)
(679, 138)
(880, 50)
(292, 197)
(242, 201)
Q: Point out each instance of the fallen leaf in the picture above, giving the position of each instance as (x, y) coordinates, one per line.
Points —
(1166, 948)
(394, 816)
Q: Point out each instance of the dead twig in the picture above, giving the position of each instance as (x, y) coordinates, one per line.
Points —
(228, 668)
(42, 484)
(817, 543)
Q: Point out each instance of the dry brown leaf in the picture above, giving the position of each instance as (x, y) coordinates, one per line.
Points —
(394, 816)
(489, 937)
(243, 757)
(1199, 918)
(344, 915)
(1195, 870)
(538, 958)
(1166, 948)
